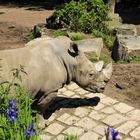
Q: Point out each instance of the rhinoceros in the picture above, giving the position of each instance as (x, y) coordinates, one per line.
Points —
(50, 63)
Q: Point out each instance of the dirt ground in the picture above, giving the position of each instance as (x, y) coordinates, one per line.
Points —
(15, 24)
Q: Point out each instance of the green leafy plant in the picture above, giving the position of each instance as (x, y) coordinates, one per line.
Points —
(70, 137)
(60, 32)
(16, 120)
(76, 36)
(83, 16)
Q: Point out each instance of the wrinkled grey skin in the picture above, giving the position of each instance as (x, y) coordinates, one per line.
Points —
(50, 64)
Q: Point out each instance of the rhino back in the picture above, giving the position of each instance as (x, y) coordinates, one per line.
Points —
(43, 64)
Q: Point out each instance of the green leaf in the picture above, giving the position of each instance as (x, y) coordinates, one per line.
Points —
(2, 136)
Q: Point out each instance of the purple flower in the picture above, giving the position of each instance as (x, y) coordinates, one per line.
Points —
(31, 130)
(12, 104)
(12, 111)
(112, 134)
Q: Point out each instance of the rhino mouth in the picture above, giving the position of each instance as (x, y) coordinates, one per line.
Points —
(95, 89)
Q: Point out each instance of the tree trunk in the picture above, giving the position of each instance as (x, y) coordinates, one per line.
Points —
(111, 3)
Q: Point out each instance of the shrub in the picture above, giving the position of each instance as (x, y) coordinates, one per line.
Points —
(83, 16)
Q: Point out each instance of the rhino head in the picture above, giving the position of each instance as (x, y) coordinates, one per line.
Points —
(92, 77)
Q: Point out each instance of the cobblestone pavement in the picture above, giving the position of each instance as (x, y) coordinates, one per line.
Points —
(87, 115)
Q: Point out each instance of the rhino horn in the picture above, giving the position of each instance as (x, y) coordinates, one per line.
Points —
(99, 65)
(107, 71)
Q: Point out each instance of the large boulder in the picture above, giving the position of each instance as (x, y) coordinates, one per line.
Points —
(126, 47)
(91, 47)
(127, 29)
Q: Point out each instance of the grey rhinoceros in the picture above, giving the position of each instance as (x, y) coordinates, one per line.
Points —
(50, 63)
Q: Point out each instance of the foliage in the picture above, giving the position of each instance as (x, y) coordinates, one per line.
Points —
(15, 110)
(60, 32)
(70, 137)
(130, 59)
(30, 36)
(83, 16)
(108, 38)
(76, 36)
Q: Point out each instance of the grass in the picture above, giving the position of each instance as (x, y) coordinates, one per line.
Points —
(130, 59)
(60, 32)
(76, 36)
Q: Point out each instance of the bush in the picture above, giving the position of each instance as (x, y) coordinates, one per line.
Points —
(83, 16)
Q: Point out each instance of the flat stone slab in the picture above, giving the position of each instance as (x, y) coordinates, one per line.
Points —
(91, 47)
(127, 29)
(127, 127)
(126, 47)
(136, 133)
(115, 119)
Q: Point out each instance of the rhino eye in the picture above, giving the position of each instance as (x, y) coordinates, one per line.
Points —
(91, 74)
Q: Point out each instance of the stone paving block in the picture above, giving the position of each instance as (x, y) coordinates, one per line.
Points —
(136, 133)
(134, 115)
(54, 128)
(51, 118)
(100, 129)
(128, 139)
(114, 119)
(45, 137)
(74, 131)
(86, 123)
(89, 136)
(108, 110)
(81, 112)
(72, 86)
(100, 95)
(108, 101)
(59, 137)
(127, 127)
(97, 115)
(71, 120)
(104, 138)
(123, 108)
(68, 93)
(63, 117)
(81, 91)
(75, 96)
(62, 89)
(99, 106)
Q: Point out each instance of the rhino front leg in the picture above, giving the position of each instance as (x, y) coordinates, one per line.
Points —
(42, 105)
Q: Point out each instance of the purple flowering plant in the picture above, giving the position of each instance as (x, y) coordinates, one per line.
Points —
(16, 113)
(31, 130)
(112, 134)
(12, 111)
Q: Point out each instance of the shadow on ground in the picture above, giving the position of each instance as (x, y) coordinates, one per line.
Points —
(129, 11)
(64, 102)
(38, 5)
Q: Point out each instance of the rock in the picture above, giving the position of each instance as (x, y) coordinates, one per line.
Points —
(91, 47)
(126, 47)
(127, 29)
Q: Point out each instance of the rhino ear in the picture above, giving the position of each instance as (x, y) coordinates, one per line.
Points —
(73, 49)
(99, 65)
